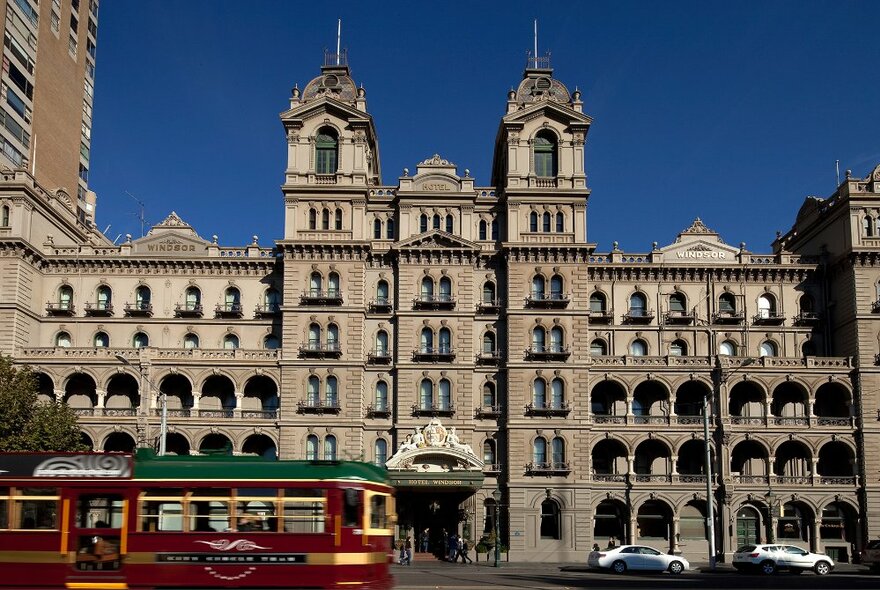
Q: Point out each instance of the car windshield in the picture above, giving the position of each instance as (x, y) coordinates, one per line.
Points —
(746, 549)
(649, 551)
(795, 550)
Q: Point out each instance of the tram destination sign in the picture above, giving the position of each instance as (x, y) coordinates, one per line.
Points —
(250, 558)
(64, 466)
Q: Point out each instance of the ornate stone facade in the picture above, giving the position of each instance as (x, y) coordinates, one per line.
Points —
(415, 323)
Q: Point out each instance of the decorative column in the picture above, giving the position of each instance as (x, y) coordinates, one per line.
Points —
(814, 534)
(676, 535)
(102, 396)
(236, 411)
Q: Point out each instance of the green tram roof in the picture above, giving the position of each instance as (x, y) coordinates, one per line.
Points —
(231, 469)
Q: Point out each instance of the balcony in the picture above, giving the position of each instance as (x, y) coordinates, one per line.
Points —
(142, 309)
(318, 350)
(638, 316)
(807, 318)
(439, 354)
(228, 310)
(727, 317)
(769, 318)
(679, 318)
(260, 414)
(188, 310)
(651, 478)
(378, 411)
(488, 357)
(381, 305)
(98, 309)
(610, 477)
(380, 356)
(650, 419)
(751, 479)
(65, 308)
(548, 300)
(608, 419)
(317, 406)
(433, 410)
(492, 468)
(441, 301)
(563, 409)
(319, 297)
(267, 310)
(555, 468)
(600, 316)
(554, 352)
(488, 307)
(490, 412)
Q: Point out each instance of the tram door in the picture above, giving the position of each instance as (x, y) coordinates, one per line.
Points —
(97, 533)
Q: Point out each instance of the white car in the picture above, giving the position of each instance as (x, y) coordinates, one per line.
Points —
(768, 559)
(637, 558)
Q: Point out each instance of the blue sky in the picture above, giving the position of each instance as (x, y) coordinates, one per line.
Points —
(731, 111)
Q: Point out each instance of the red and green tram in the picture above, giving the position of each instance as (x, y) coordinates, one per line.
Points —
(114, 521)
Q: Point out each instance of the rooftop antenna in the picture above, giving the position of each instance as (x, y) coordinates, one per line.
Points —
(837, 164)
(106, 229)
(536, 43)
(338, 38)
(140, 213)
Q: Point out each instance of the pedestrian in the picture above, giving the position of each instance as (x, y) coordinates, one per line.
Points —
(452, 548)
(465, 548)
(611, 543)
(408, 548)
(424, 539)
(402, 557)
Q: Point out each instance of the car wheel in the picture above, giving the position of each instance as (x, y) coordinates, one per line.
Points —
(768, 567)
(823, 568)
(676, 567)
(618, 567)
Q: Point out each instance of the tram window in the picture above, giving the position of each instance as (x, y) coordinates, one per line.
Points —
(255, 509)
(378, 514)
(4, 508)
(98, 512)
(351, 507)
(304, 510)
(35, 508)
(161, 510)
(209, 510)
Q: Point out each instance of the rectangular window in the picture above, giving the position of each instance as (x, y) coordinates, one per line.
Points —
(74, 5)
(86, 131)
(56, 22)
(90, 48)
(29, 11)
(17, 130)
(93, 28)
(74, 24)
(304, 510)
(84, 151)
(16, 49)
(83, 173)
(90, 69)
(255, 509)
(13, 154)
(19, 79)
(209, 510)
(161, 510)
(93, 7)
(71, 45)
(89, 89)
(4, 492)
(35, 508)
(99, 512)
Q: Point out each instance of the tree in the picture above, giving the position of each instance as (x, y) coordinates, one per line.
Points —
(27, 424)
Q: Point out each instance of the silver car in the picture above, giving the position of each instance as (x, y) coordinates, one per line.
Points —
(768, 559)
(636, 558)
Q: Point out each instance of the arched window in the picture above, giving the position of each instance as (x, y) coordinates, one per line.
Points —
(272, 299)
(427, 290)
(558, 450)
(232, 299)
(560, 222)
(193, 298)
(445, 289)
(539, 452)
(550, 520)
(311, 448)
(435, 221)
(102, 340)
(539, 393)
(271, 342)
(338, 219)
(426, 394)
(65, 297)
(380, 451)
(191, 340)
(727, 304)
(766, 306)
(4, 216)
(868, 225)
(382, 343)
(489, 343)
(230, 342)
(382, 292)
(313, 219)
(545, 154)
(494, 229)
(381, 400)
(678, 348)
(449, 224)
(489, 399)
(597, 302)
(445, 341)
(806, 304)
(538, 287)
(539, 336)
(377, 228)
(315, 284)
(105, 298)
(598, 347)
(557, 393)
(768, 348)
(332, 337)
(557, 339)
(426, 343)
(556, 284)
(638, 348)
(331, 392)
(313, 391)
(326, 151)
(445, 395)
(489, 292)
(546, 221)
(489, 453)
(727, 348)
(677, 303)
(483, 231)
(808, 348)
(389, 229)
(314, 336)
(140, 340)
(62, 340)
(333, 285)
(325, 219)
(533, 221)
(638, 305)
(423, 222)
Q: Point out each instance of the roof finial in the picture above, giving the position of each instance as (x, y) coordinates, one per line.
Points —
(338, 38)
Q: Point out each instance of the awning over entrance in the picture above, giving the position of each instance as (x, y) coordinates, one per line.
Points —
(453, 481)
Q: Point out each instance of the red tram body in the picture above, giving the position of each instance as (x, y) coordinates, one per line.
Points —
(107, 521)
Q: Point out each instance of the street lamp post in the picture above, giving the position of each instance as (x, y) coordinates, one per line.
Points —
(163, 400)
(497, 495)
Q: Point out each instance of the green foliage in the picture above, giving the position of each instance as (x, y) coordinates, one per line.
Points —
(482, 547)
(29, 425)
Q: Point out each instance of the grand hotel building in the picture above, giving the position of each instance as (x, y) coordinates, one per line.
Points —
(472, 339)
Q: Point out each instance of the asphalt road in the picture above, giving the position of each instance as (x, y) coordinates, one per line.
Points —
(440, 575)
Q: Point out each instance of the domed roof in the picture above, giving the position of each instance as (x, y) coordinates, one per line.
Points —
(538, 85)
(334, 82)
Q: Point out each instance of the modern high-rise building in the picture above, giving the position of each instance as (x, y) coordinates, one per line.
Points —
(470, 338)
(46, 94)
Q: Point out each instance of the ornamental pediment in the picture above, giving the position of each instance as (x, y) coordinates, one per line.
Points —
(436, 238)
(699, 244)
(434, 449)
(172, 242)
(553, 110)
